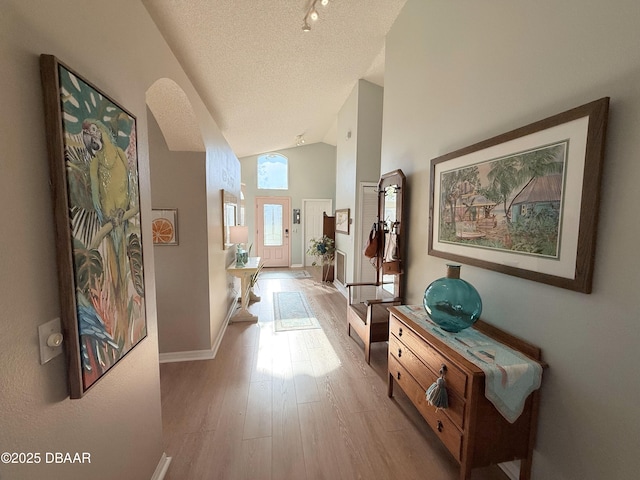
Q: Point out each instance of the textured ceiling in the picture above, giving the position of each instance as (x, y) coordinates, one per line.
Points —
(264, 80)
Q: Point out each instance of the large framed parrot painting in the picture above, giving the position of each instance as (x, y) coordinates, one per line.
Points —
(94, 168)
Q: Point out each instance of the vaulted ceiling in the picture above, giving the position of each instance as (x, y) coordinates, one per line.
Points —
(262, 77)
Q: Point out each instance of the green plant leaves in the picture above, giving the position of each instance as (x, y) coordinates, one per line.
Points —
(89, 268)
(134, 252)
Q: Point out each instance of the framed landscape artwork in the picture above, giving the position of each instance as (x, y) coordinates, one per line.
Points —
(93, 161)
(524, 203)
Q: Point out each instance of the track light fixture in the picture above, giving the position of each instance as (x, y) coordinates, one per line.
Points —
(312, 14)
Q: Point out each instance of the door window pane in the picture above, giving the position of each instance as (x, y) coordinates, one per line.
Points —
(273, 229)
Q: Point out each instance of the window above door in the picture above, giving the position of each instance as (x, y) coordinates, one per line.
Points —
(273, 172)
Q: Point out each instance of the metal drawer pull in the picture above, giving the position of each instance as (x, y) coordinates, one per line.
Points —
(440, 426)
(398, 375)
(443, 369)
(400, 332)
(399, 352)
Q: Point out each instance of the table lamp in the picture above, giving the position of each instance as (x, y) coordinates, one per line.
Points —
(239, 235)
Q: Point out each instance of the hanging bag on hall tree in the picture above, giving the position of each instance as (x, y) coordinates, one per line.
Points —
(373, 243)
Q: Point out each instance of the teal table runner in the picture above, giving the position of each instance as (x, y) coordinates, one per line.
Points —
(509, 375)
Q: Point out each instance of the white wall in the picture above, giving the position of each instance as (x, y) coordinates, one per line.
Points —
(358, 157)
(117, 47)
(346, 172)
(370, 101)
(178, 181)
(312, 170)
(460, 72)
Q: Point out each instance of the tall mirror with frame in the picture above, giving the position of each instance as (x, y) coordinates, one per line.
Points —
(368, 317)
(229, 216)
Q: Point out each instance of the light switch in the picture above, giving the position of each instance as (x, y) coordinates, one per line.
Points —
(50, 335)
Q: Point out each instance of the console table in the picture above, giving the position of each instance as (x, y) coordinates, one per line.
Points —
(471, 428)
(246, 295)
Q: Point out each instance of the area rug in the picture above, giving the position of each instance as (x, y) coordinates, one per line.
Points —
(292, 312)
(284, 274)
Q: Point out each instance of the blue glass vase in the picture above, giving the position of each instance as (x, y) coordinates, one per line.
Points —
(451, 302)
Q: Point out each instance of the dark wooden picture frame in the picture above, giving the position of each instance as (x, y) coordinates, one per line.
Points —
(524, 203)
(93, 161)
(343, 219)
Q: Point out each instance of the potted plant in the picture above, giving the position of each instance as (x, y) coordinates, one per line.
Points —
(324, 250)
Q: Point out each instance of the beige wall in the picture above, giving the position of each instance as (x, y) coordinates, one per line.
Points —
(460, 72)
(182, 293)
(117, 47)
(312, 170)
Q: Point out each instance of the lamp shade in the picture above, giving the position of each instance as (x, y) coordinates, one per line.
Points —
(239, 234)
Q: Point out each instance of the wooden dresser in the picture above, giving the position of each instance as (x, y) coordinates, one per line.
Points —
(471, 428)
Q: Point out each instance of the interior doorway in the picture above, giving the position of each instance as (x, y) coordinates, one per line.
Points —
(368, 214)
(273, 227)
(312, 212)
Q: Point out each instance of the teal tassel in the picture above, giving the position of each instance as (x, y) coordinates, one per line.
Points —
(437, 394)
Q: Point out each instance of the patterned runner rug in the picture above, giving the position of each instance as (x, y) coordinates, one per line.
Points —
(292, 312)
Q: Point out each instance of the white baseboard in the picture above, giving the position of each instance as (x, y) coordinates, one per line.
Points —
(512, 469)
(296, 265)
(161, 469)
(232, 310)
(341, 288)
(188, 356)
(192, 355)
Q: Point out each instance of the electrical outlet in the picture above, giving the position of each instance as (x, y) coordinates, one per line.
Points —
(50, 335)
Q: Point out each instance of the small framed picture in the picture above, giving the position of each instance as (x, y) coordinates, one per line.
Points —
(164, 226)
(342, 221)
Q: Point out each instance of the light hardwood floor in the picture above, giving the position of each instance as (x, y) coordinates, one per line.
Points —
(296, 405)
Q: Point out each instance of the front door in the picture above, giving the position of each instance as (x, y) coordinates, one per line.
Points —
(273, 227)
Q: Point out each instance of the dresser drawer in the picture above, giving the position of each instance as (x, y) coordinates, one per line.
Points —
(426, 378)
(455, 378)
(437, 420)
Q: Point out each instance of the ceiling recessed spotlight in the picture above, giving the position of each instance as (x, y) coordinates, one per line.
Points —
(314, 15)
(324, 3)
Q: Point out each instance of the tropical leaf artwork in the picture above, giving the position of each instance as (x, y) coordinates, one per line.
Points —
(512, 203)
(102, 185)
